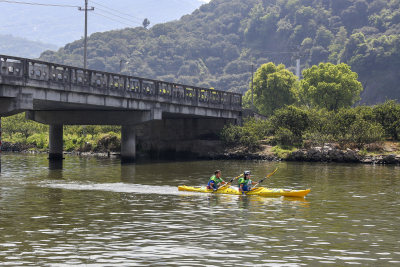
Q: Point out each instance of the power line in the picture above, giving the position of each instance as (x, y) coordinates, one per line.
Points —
(111, 19)
(35, 4)
(119, 12)
(112, 14)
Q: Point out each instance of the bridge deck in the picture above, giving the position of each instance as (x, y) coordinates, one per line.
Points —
(60, 87)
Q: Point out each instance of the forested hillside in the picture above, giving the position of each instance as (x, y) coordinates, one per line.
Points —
(216, 45)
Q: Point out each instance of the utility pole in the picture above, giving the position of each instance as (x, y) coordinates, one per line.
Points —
(121, 66)
(86, 9)
(252, 74)
(298, 68)
(0, 144)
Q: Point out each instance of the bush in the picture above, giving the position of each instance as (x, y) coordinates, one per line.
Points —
(230, 135)
(108, 142)
(283, 152)
(388, 115)
(291, 118)
(362, 132)
(341, 122)
(73, 142)
(249, 138)
(248, 135)
(262, 128)
(39, 140)
(315, 138)
(284, 136)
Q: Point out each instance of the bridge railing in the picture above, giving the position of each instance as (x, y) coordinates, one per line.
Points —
(29, 69)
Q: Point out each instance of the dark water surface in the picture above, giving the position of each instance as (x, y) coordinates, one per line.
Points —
(96, 212)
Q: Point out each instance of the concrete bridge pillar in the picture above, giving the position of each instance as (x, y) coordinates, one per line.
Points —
(128, 143)
(56, 142)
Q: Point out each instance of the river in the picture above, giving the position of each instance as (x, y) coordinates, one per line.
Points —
(97, 212)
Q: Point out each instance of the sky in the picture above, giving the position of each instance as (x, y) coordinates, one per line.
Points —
(61, 25)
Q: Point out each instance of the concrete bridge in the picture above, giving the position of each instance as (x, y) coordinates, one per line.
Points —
(60, 95)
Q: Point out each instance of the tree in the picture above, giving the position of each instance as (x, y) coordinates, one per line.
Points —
(274, 87)
(146, 23)
(330, 86)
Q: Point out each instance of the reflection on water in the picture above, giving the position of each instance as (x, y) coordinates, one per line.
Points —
(99, 212)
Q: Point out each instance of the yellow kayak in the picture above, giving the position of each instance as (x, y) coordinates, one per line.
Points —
(259, 191)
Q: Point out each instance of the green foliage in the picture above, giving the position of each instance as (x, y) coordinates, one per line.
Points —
(248, 135)
(74, 142)
(274, 87)
(388, 115)
(290, 118)
(363, 132)
(286, 137)
(108, 142)
(303, 126)
(283, 151)
(39, 140)
(330, 86)
(17, 129)
(18, 124)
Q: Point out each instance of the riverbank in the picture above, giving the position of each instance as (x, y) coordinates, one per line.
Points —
(388, 153)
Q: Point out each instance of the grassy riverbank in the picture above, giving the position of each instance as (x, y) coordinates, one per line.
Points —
(26, 134)
(365, 129)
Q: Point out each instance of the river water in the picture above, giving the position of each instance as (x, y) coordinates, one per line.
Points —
(97, 212)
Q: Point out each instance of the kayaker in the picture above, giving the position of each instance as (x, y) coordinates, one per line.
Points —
(215, 181)
(245, 183)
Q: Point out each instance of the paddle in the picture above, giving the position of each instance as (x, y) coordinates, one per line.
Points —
(269, 175)
(229, 183)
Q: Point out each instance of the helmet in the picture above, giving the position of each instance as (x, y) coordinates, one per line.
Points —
(246, 173)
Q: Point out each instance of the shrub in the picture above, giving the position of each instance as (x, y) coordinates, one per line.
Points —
(290, 118)
(249, 138)
(39, 140)
(388, 115)
(284, 136)
(315, 138)
(108, 142)
(283, 152)
(73, 142)
(248, 135)
(341, 122)
(230, 135)
(363, 132)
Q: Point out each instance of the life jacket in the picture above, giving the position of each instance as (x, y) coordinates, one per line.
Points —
(246, 184)
(213, 182)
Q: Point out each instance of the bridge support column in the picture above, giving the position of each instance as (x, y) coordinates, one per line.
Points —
(128, 143)
(56, 142)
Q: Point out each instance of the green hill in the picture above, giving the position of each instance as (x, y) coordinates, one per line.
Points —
(216, 44)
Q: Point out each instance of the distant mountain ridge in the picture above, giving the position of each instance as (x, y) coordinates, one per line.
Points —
(20, 47)
(216, 45)
(60, 25)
